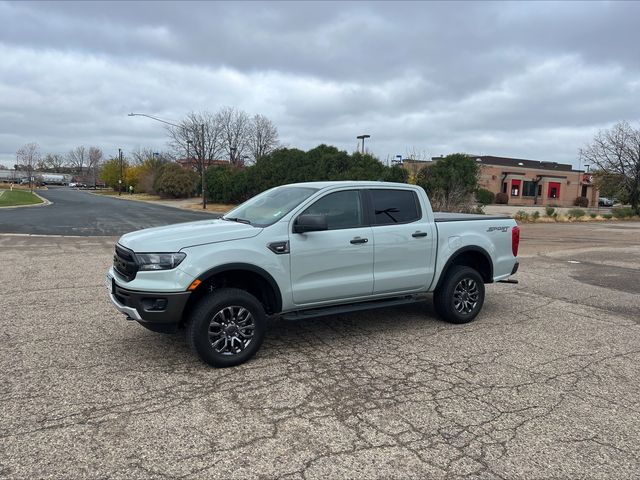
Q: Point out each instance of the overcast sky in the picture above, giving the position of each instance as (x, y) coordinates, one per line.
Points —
(528, 80)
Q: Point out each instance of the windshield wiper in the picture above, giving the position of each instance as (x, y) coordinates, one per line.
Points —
(388, 212)
(236, 219)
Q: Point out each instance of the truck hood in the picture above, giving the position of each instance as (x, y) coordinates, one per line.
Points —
(173, 238)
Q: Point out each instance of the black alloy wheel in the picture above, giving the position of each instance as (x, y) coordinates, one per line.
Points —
(227, 327)
(460, 297)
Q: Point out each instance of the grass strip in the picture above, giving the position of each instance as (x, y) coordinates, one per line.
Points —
(18, 197)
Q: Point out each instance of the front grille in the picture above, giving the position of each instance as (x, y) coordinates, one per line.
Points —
(124, 262)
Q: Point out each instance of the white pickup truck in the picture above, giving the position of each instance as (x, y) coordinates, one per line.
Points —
(306, 250)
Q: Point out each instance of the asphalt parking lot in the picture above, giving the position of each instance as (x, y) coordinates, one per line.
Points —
(544, 384)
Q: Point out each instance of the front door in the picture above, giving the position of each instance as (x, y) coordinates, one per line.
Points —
(337, 263)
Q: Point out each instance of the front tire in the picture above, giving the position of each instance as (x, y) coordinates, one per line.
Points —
(227, 327)
(460, 297)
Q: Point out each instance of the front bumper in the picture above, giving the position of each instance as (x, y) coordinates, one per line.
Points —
(152, 307)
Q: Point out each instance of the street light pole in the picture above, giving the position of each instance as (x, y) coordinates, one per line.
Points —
(202, 171)
(362, 137)
(203, 151)
(120, 179)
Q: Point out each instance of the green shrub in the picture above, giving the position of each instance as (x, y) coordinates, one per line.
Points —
(521, 215)
(549, 211)
(576, 213)
(623, 212)
(484, 196)
(593, 215)
(174, 181)
(608, 216)
(535, 215)
(502, 198)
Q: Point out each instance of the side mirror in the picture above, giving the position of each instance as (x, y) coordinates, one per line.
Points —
(310, 223)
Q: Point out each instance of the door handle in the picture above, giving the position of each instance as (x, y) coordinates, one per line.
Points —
(357, 240)
(419, 234)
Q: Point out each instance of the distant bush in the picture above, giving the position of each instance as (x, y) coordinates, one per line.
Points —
(535, 215)
(549, 211)
(593, 215)
(484, 196)
(521, 215)
(502, 198)
(623, 212)
(576, 213)
(581, 202)
(174, 181)
(608, 216)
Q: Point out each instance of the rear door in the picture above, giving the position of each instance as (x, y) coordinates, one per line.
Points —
(337, 263)
(404, 241)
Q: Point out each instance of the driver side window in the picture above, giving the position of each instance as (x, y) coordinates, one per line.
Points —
(342, 209)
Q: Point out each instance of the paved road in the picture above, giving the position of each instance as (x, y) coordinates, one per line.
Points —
(544, 384)
(75, 212)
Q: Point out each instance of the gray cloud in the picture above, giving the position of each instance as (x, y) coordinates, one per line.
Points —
(534, 80)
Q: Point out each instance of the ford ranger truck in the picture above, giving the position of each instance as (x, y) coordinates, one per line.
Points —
(306, 250)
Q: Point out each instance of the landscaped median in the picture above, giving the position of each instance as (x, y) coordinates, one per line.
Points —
(551, 215)
(15, 198)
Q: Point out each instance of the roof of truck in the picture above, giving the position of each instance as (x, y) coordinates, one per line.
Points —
(354, 183)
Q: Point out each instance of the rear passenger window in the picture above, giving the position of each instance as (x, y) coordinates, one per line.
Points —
(394, 206)
(342, 209)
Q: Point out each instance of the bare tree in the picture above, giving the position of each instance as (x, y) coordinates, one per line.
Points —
(234, 129)
(77, 158)
(140, 155)
(28, 155)
(263, 137)
(42, 165)
(52, 162)
(617, 151)
(197, 138)
(94, 163)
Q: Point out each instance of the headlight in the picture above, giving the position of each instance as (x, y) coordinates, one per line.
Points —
(159, 261)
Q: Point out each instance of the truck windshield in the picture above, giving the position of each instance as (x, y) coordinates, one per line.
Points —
(270, 206)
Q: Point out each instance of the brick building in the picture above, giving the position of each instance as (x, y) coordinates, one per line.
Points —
(531, 182)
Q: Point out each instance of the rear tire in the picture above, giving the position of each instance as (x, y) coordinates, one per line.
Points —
(227, 327)
(460, 297)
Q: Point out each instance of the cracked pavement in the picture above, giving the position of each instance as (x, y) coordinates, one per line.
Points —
(544, 384)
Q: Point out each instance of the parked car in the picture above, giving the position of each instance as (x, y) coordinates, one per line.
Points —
(605, 202)
(73, 184)
(307, 250)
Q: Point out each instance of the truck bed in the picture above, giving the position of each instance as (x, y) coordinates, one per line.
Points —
(463, 217)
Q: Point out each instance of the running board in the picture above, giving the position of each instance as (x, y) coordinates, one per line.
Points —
(509, 280)
(351, 307)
